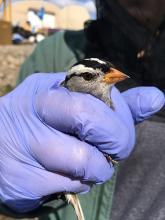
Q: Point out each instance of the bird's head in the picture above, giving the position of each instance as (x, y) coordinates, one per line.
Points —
(94, 76)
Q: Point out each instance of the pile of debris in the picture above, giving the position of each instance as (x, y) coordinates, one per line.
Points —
(11, 57)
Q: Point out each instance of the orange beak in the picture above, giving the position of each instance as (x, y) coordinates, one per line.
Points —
(113, 76)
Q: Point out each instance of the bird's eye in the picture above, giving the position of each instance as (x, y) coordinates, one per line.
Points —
(87, 76)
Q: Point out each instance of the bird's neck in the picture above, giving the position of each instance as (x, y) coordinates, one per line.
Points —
(107, 99)
(104, 95)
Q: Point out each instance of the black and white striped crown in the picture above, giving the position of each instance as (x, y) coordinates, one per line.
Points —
(90, 65)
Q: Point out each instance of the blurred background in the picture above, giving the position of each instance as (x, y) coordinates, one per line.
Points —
(24, 23)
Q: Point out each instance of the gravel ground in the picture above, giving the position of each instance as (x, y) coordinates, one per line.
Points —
(11, 57)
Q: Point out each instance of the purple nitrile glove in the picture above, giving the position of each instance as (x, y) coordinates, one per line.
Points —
(51, 140)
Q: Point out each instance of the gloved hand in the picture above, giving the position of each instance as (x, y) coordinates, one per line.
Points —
(53, 140)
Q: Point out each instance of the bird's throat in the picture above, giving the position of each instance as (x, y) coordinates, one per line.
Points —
(105, 96)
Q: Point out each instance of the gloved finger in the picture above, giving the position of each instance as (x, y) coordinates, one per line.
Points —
(65, 154)
(144, 102)
(85, 117)
(28, 195)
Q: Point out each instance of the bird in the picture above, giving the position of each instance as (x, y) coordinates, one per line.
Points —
(94, 76)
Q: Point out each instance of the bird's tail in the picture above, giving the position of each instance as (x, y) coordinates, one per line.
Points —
(74, 201)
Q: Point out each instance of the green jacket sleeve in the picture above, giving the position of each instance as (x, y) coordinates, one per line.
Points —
(50, 55)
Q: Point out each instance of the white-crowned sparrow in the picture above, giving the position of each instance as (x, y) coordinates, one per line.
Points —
(96, 77)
